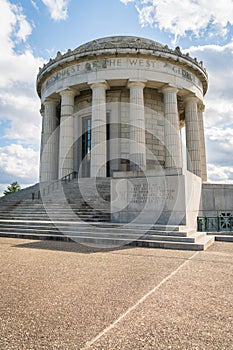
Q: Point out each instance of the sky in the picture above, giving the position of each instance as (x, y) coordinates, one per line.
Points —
(32, 31)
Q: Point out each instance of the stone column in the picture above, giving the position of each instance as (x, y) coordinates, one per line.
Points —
(66, 146)
(49, 142)
(114, 142)
(173, 158)
(192, 135)
(137, 126)
(201, 109)
(41, 175)
(98, 130)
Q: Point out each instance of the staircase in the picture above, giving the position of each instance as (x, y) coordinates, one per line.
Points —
(91, 227)
(31, 211)
(78, 220)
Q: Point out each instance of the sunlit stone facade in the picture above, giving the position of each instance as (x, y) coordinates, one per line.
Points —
(115, 89)
(116, 107)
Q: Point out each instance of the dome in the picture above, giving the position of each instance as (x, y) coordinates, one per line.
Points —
(119, 42)
(120, 46)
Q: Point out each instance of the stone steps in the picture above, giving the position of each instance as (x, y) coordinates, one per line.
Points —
(109, 227)
(98, 231)
(223, 236)
(87, 220)
(30, 211)
(105, 235)
(105, 242)
(108, 235)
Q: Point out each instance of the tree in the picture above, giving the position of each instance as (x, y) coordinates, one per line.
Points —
(12, 188)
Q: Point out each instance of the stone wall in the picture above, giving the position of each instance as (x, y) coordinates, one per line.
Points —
(154, 122)
(28, 193)
(216, 199)
(119, 98)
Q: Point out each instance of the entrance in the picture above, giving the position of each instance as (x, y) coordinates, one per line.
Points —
(86, 146)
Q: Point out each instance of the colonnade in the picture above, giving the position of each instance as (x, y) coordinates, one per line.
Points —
(57, 155)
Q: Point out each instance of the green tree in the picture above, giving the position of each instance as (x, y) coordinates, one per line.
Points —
(12, 188)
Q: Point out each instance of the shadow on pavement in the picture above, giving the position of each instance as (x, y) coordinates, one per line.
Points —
(72, 247)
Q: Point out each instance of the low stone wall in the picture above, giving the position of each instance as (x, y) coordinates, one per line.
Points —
(216, 199)
(24, 194)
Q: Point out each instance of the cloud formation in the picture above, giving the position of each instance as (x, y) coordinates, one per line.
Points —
(185, 17)
(57, 9)
(19, 105)
(221, 174)
(20, 161)
(219, 109)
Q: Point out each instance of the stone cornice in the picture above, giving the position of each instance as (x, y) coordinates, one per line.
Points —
(121, 46)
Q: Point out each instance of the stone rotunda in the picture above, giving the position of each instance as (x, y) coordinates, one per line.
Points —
(122, 152)
(115, 108)
(119, 88)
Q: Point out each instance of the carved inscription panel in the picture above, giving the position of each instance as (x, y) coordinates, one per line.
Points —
(149, 194)
(120, 63)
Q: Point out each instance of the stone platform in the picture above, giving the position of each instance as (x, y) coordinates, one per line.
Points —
(66, 296)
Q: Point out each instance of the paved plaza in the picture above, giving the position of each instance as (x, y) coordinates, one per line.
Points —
(57, 295)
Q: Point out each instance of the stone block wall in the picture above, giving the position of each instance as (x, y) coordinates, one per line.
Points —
(216, 199)
(154, 123)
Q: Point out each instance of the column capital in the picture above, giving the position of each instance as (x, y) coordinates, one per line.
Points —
(42, 111)
(190, 98)
(51, 100)
(167, 88)
(69, 91)
(138, 83)
(101, 84)
(201, 107)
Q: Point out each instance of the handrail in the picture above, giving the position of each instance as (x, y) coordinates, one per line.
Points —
(70, 176)
(48, 188)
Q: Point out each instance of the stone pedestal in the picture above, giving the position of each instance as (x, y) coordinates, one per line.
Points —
(164, 200)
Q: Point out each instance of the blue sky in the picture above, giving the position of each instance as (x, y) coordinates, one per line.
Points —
(32, 31)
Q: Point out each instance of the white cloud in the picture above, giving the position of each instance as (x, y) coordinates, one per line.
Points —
(57, 8)
(126, 1)
(18, 67)
(19, 105)
(220, 174)
(19, 162)
(218, 116)
(13, 22)
(34, 4)
(181, 17)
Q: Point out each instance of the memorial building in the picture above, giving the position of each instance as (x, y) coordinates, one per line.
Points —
(123, 156)
(121, 88)
(115, 107)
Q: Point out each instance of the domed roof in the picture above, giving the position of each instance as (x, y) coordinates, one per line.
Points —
(121, 45)
(119, 42)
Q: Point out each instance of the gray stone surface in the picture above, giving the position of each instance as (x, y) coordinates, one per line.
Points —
(216, 199)
(62, 296)
(147, 69)
(161, 199)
